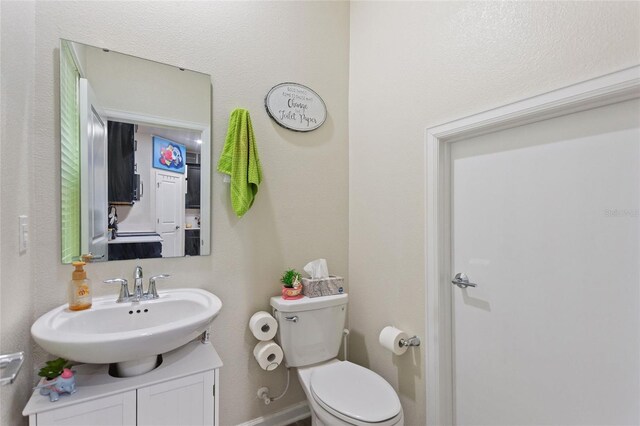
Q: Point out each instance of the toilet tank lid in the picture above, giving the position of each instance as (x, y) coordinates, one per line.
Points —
(308, 303)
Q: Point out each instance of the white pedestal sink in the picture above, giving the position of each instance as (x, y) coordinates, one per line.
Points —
(131, 333)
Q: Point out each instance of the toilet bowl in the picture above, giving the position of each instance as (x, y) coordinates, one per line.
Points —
(338, 392)
(343, 393)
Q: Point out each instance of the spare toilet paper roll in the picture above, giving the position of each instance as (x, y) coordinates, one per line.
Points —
(390, 338)
(263, 326)
(268, 354)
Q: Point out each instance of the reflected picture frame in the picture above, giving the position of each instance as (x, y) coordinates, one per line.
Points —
(169, 155)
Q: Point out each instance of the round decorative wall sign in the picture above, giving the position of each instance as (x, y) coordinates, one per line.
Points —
(295, 107)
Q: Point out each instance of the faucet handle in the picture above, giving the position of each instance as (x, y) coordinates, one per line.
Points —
(152, 292)
(124, 288)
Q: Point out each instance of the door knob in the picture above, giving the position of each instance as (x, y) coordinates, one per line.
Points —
(462, 281)
(87, 258)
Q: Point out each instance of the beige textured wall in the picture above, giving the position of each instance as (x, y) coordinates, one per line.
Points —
(419, 64)
(16, 196)
(123, 82)
(247, 48)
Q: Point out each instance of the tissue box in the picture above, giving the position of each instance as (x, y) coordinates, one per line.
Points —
(315, 287)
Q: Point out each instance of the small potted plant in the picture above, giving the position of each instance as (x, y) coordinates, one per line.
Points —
(57, 378)
(292, 287)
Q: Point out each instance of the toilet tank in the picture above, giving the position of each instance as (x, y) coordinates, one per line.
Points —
(310, 329)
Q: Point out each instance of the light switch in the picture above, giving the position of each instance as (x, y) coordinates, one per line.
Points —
(23, 231)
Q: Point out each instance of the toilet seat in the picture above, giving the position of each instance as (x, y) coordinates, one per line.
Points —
(355, 394)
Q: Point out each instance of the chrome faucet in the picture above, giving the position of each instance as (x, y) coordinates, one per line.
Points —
(138, 291)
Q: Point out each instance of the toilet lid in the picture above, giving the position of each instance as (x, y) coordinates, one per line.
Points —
(355, 392)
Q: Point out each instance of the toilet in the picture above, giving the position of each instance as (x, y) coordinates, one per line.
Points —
(339, 392)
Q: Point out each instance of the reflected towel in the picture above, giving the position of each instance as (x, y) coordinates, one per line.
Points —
(240, 161)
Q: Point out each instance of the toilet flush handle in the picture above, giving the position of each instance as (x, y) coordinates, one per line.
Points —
(292, 319)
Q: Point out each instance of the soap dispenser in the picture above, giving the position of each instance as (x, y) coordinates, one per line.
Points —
(79, 292)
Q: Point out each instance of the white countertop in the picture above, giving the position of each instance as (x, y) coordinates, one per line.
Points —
(145, 238)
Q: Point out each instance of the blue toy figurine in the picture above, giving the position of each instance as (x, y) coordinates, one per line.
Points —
(65, 383)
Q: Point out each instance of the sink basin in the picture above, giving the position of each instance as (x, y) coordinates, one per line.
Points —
(113, 332)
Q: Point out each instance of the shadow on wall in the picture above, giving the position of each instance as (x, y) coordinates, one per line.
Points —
(409, 371)
(408, 366)
(356, 340)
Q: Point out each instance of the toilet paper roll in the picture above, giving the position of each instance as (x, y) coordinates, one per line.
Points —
(263, 326)
(268, 354)
(390, 338)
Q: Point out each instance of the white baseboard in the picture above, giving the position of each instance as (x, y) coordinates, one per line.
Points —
(290, 414)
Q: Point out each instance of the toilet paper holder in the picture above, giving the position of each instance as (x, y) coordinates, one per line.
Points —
(411, 341)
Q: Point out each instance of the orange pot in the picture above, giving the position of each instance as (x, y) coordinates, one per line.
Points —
(291, 292)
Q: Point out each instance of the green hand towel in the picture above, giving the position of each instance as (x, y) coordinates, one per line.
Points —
(240, 160)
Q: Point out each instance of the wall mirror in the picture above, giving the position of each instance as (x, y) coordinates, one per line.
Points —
(135, 156)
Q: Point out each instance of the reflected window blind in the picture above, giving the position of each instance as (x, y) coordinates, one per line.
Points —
(70, 157)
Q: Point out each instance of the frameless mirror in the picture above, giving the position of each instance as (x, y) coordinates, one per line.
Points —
(135, 156)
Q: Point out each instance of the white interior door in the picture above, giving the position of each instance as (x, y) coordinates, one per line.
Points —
(546, 221)
(93, 186)
(170, 189)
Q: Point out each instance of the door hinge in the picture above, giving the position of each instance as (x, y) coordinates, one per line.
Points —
(214, 390)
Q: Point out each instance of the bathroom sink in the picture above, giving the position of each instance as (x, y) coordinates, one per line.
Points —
(113, 332)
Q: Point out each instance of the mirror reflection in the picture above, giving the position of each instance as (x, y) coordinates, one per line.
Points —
(135, 156)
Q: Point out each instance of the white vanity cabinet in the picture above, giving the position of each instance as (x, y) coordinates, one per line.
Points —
(113, 410)
(185, 401)
(183, 390)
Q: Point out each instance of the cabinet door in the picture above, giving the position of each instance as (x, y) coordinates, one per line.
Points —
(185, 401)
(192, 242)
(192, 200)
(112, 410)
(121, 163)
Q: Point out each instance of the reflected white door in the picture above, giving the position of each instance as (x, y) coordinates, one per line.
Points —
(170, 212)
(546, 220)
(93, 152)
